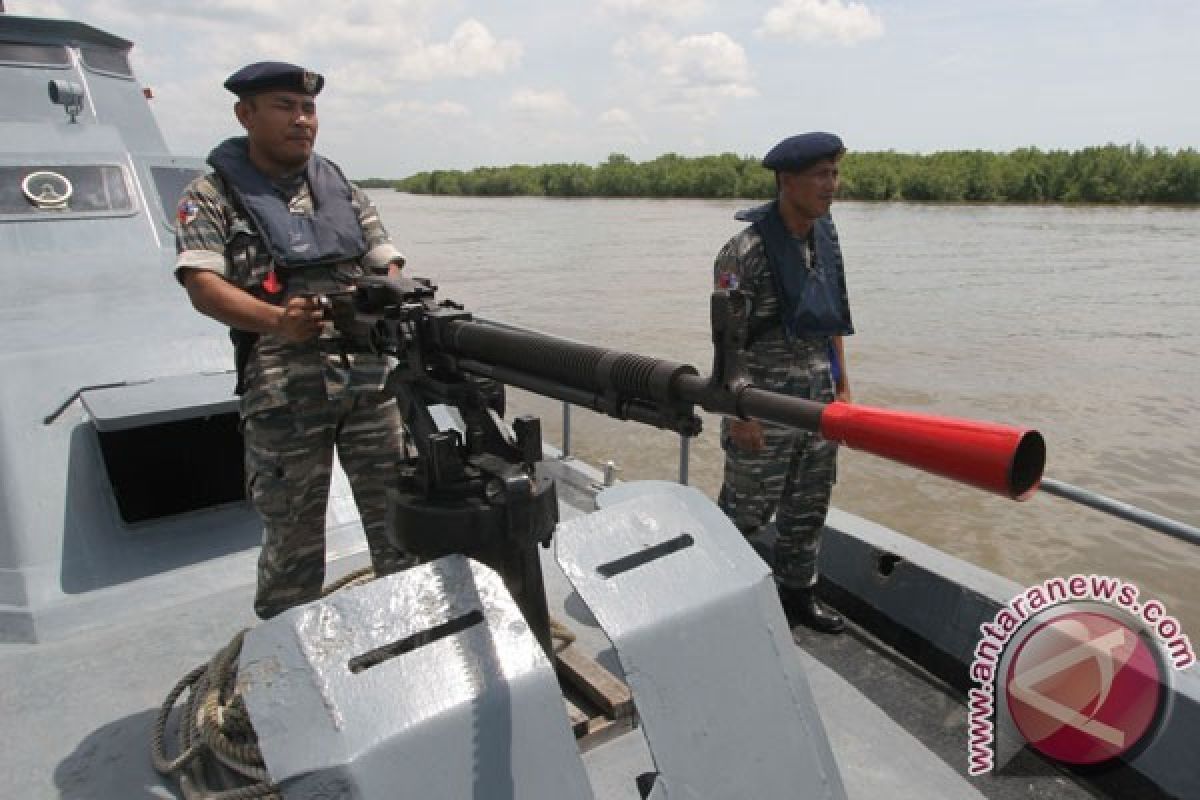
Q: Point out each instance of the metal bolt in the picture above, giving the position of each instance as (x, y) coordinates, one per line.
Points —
(610, 473)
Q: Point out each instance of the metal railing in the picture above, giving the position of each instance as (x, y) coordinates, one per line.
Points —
(1075, 494)
(610, 469)
(1122, 510)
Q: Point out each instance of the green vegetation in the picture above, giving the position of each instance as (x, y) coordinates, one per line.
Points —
(666, 176)
(1109, 174)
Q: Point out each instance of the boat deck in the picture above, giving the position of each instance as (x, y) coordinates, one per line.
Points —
(79, 711)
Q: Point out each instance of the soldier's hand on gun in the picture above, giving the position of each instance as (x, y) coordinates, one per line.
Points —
(747, 435)
(301, 318)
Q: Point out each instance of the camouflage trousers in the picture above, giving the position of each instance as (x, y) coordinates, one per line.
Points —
(289, 464)
(791, 479)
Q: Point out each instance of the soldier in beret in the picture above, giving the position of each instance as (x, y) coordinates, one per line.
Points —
(273, 226)
(789, 264)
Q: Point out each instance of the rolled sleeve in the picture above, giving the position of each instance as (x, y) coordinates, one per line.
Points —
(200, 259)
(380, 256)
(380, 250)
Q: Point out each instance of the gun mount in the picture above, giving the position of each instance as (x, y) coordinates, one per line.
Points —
(471, 487)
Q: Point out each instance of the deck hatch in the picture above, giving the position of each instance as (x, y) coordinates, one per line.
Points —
(170, 445)
(138, 405)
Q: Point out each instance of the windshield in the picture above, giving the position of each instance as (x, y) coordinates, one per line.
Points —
(170, 183)
(106, 60)
(58, 188)
(33, 55)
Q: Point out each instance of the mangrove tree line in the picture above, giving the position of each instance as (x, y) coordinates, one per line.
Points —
(1109, 174)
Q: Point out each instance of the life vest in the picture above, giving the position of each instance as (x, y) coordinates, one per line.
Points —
(330, 235)
(296, 243)
(812, 300)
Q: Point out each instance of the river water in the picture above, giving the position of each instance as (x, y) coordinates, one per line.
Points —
(1080, 322)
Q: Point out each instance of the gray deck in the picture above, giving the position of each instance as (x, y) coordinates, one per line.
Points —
(78, 712)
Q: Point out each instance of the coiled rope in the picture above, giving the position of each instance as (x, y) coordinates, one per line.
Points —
(215, 730)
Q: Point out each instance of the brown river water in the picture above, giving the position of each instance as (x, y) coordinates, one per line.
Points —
(1080, 322)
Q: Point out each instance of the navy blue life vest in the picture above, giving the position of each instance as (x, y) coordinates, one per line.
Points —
(331, 234)
(812, 302)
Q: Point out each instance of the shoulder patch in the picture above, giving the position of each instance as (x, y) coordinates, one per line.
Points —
(187, 211)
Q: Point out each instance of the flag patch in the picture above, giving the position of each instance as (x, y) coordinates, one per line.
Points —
(187, 212)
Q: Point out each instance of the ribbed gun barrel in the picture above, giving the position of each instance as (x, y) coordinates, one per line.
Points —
(997, 458)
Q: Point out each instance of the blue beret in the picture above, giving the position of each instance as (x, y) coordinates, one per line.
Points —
(266, 75)
(797, 152)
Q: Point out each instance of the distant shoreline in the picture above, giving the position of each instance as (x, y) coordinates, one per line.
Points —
(1109, 175)
(751, 201)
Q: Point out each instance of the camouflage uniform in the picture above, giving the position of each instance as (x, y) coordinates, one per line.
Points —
(301, 399)
(792, 477)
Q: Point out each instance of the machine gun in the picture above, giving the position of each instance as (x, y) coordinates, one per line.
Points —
(471, 487)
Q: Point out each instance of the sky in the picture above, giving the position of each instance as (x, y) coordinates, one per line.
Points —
(417, 85)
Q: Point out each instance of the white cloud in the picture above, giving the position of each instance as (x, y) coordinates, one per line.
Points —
(471, 52)
(710, 60)
(37, 8)
(365, 44)
(655, 9)
(388, 54)
(360, 24)
(619, 127)
(370, 52)
(617, 117)
(407, 109)
(448, 108)
(690, 75)
(548, 103)
(821, 20)
(670, 82)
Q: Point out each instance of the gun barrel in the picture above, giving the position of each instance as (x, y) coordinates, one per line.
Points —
(998, 458)
(580, 366)
(987, 455)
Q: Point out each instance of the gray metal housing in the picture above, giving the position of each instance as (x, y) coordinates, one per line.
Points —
(87, 299)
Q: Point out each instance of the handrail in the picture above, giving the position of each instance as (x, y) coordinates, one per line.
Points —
(1122, 510)
(566, 428)
(1075, 494)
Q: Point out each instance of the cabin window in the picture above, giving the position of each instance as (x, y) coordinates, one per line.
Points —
(18, 54)
(47, 189)
(107, 60)
(170, 183)
(174, 467)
